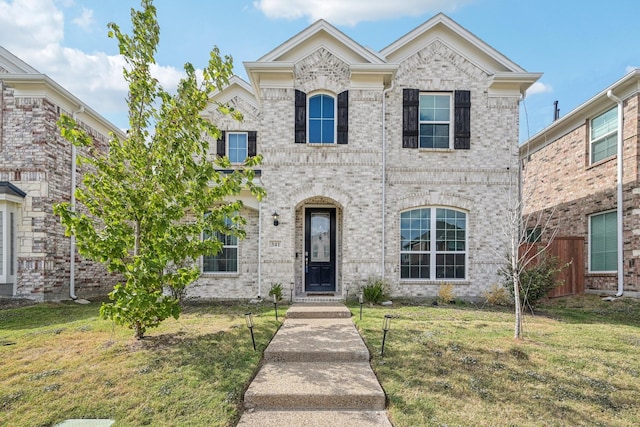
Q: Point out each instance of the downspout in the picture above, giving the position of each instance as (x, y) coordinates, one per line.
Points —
(619, 207)
(72, 249)
(259, 249)
(384, 173)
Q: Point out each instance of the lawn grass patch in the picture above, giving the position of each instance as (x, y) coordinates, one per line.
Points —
(65, 362)
(459, 365)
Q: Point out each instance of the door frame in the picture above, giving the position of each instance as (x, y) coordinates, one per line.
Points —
(333, 259)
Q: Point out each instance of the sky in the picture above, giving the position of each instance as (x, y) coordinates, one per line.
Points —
(581, 47)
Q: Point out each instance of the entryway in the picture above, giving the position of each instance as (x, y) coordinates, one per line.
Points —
(320, 250)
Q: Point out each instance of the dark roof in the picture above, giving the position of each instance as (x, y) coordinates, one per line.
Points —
(8, 188)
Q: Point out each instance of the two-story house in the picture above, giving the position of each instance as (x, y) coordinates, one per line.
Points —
(394, 164)
(581, 181)
(37, 169)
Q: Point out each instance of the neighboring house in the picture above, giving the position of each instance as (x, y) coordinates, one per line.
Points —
(393, 164)
(573, 179)
(36, 171)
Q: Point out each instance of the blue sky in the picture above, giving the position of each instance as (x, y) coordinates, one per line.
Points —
(581, 47)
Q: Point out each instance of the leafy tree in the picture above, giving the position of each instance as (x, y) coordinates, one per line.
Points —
(148, 199)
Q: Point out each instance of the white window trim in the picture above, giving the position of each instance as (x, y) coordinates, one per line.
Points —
(222, 273)
(228, 148)
(450, 122)
(335, 118)
(590, 240)
(10, 248)
(605, 136)
(433, 253)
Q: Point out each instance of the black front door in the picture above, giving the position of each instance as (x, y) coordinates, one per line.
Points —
(320, 250)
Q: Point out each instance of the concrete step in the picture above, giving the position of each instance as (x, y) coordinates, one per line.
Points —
(321, 385)
(317, 340)
(318, 311)
(314, 419)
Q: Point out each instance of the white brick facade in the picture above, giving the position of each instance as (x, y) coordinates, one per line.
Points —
(372, 179)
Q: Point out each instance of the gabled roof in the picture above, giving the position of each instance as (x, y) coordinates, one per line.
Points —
(445, 29)
(321, 33)
(239, 88)
(27, 81)
(627, 86)
(14, 65)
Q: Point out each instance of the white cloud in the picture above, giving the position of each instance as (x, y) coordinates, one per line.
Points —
(85, 21)
(33, 30)
(351, 12)
(539, 87)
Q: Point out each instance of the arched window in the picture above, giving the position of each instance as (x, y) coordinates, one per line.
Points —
(322, 122)
(433, 244)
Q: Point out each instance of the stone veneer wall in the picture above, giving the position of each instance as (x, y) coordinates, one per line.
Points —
(37, 160)
(560, 185)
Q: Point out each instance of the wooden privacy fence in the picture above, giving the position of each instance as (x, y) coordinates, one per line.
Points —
(570, 250)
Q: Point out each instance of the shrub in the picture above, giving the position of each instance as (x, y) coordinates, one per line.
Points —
(536, 280)
(375, 291)
(446, 293)
(497, 295)
(276, 289)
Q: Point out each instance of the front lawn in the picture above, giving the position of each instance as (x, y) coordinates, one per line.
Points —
(578, 365)
(60, 361)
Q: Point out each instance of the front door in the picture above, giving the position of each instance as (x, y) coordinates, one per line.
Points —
(320, 250)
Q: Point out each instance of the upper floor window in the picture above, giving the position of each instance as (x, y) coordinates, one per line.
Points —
(435, 120)
(237, 144)
(322, 123)
(324, 119)
(604, 135)
(433, 244)
(603, 242)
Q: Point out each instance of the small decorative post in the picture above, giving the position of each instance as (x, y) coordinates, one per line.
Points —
(248, 317)
(346, 288)
(291, 288)
(275, 304)
(386, 325)
(361, 301)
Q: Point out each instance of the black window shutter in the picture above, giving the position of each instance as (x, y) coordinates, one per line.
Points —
(301, 117)
(343, 117)
(410, 106)
(221, 146)
(252, 146)
(462, 120)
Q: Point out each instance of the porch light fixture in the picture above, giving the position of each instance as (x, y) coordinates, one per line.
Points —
(276, 219)
(248, 317)
(386, 325)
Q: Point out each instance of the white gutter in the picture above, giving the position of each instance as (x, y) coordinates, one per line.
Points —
(619, 204)
(72, 249)
(384, 172)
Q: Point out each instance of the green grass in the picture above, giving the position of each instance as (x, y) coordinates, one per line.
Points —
(454, 365)
(578, 365)
(60, 361)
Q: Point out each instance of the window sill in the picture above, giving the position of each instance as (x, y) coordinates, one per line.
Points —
(436, 150)
(601, 274)
(437, 282)
(220, 274)
(602, 162)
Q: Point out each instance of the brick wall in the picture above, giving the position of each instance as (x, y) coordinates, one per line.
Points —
(561, 187)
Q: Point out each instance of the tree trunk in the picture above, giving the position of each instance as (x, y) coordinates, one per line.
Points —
(138, 330)
(515, 273)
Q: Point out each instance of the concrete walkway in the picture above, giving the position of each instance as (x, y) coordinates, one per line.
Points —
(316, 372)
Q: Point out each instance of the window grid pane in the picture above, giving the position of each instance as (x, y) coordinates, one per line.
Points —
(322, 119)
(604, 135)
(226, 261)
(238, 151)
(449, 241)
(435, 118)
(604, 238)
